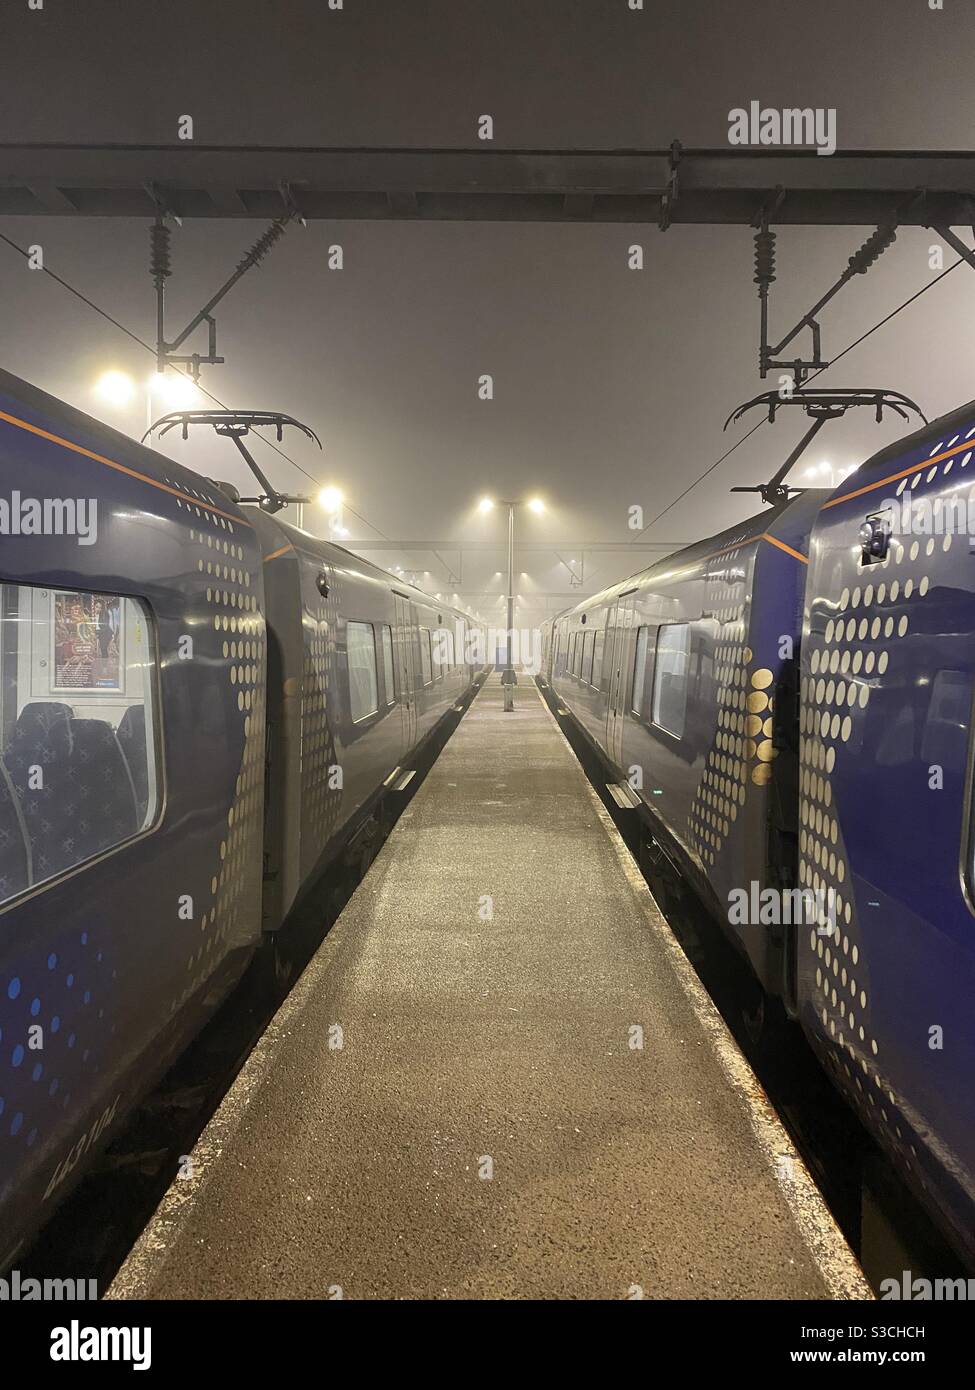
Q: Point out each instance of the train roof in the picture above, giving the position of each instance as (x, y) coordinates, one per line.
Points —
(948, 435)
(50, 418)
(788, 524)
(791, 522)
(326, 549)
(53, 417)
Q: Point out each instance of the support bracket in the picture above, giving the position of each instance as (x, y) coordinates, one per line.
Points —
(160, 268)
(668, 199)
(769, 354)
(956, 244)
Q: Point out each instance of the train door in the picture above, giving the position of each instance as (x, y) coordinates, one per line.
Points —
(619, 623)
(405, 672)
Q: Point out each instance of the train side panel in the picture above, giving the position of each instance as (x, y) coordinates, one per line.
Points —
(131, 785)
(441, 673)
(345, 706)
(701, 706)
(888, 682)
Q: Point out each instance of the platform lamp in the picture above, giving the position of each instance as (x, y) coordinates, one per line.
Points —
(508, 678)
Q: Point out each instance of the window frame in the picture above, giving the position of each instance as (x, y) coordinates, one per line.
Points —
(639, 708)
(657, 671)
(426, 669)
(386, 635)
(588, 652)
(598, 645)
(371, 629)
(155, 746)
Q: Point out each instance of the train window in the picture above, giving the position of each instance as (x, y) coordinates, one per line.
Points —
(426, 658)
(577, 655)
(389, 681)
(360, 645)
(443, 650)
(640, 669)
(670, 678)
(597, 658)
(587, 652)
(79, 767)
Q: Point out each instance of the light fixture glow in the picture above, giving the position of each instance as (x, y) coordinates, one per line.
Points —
(117, 388)
(177, 392)
(536, 504)
(330, 498)
(485, 504)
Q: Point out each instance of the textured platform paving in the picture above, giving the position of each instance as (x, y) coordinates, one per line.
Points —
(487, 1129)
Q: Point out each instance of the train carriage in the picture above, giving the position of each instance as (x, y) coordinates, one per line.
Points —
(152, 827)
(685, 678)
(130, 800)
(792, 702)
(888, 681)
(362, 671)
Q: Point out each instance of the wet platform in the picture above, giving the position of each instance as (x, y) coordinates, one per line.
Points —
(489, 1126)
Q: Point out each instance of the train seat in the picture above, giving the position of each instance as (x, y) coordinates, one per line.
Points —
(102, 791)
(131, 735)
(14, 854)
(41, 739)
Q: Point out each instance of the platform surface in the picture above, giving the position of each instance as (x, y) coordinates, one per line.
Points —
(487, 1128)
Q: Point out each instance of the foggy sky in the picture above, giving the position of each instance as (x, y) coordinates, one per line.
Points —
(611, 385)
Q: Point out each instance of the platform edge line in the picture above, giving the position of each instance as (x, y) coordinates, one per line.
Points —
(160, 1233)
(133, 1278)
(836, 1262)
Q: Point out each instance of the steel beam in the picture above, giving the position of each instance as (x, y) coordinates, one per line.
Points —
(623, 547)
(715, 186)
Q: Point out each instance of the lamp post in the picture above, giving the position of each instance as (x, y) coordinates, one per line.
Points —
(508, 678)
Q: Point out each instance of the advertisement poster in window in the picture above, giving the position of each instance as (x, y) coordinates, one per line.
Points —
(87, 642)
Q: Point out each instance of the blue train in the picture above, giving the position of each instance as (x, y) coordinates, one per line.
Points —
(791, 702)
(198, 706)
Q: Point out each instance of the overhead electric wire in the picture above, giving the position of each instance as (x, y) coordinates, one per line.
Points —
(288, 459)
(202, 389)
(832, 363)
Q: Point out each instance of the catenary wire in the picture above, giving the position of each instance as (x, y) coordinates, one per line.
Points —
(65, 284)
(832, 363)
